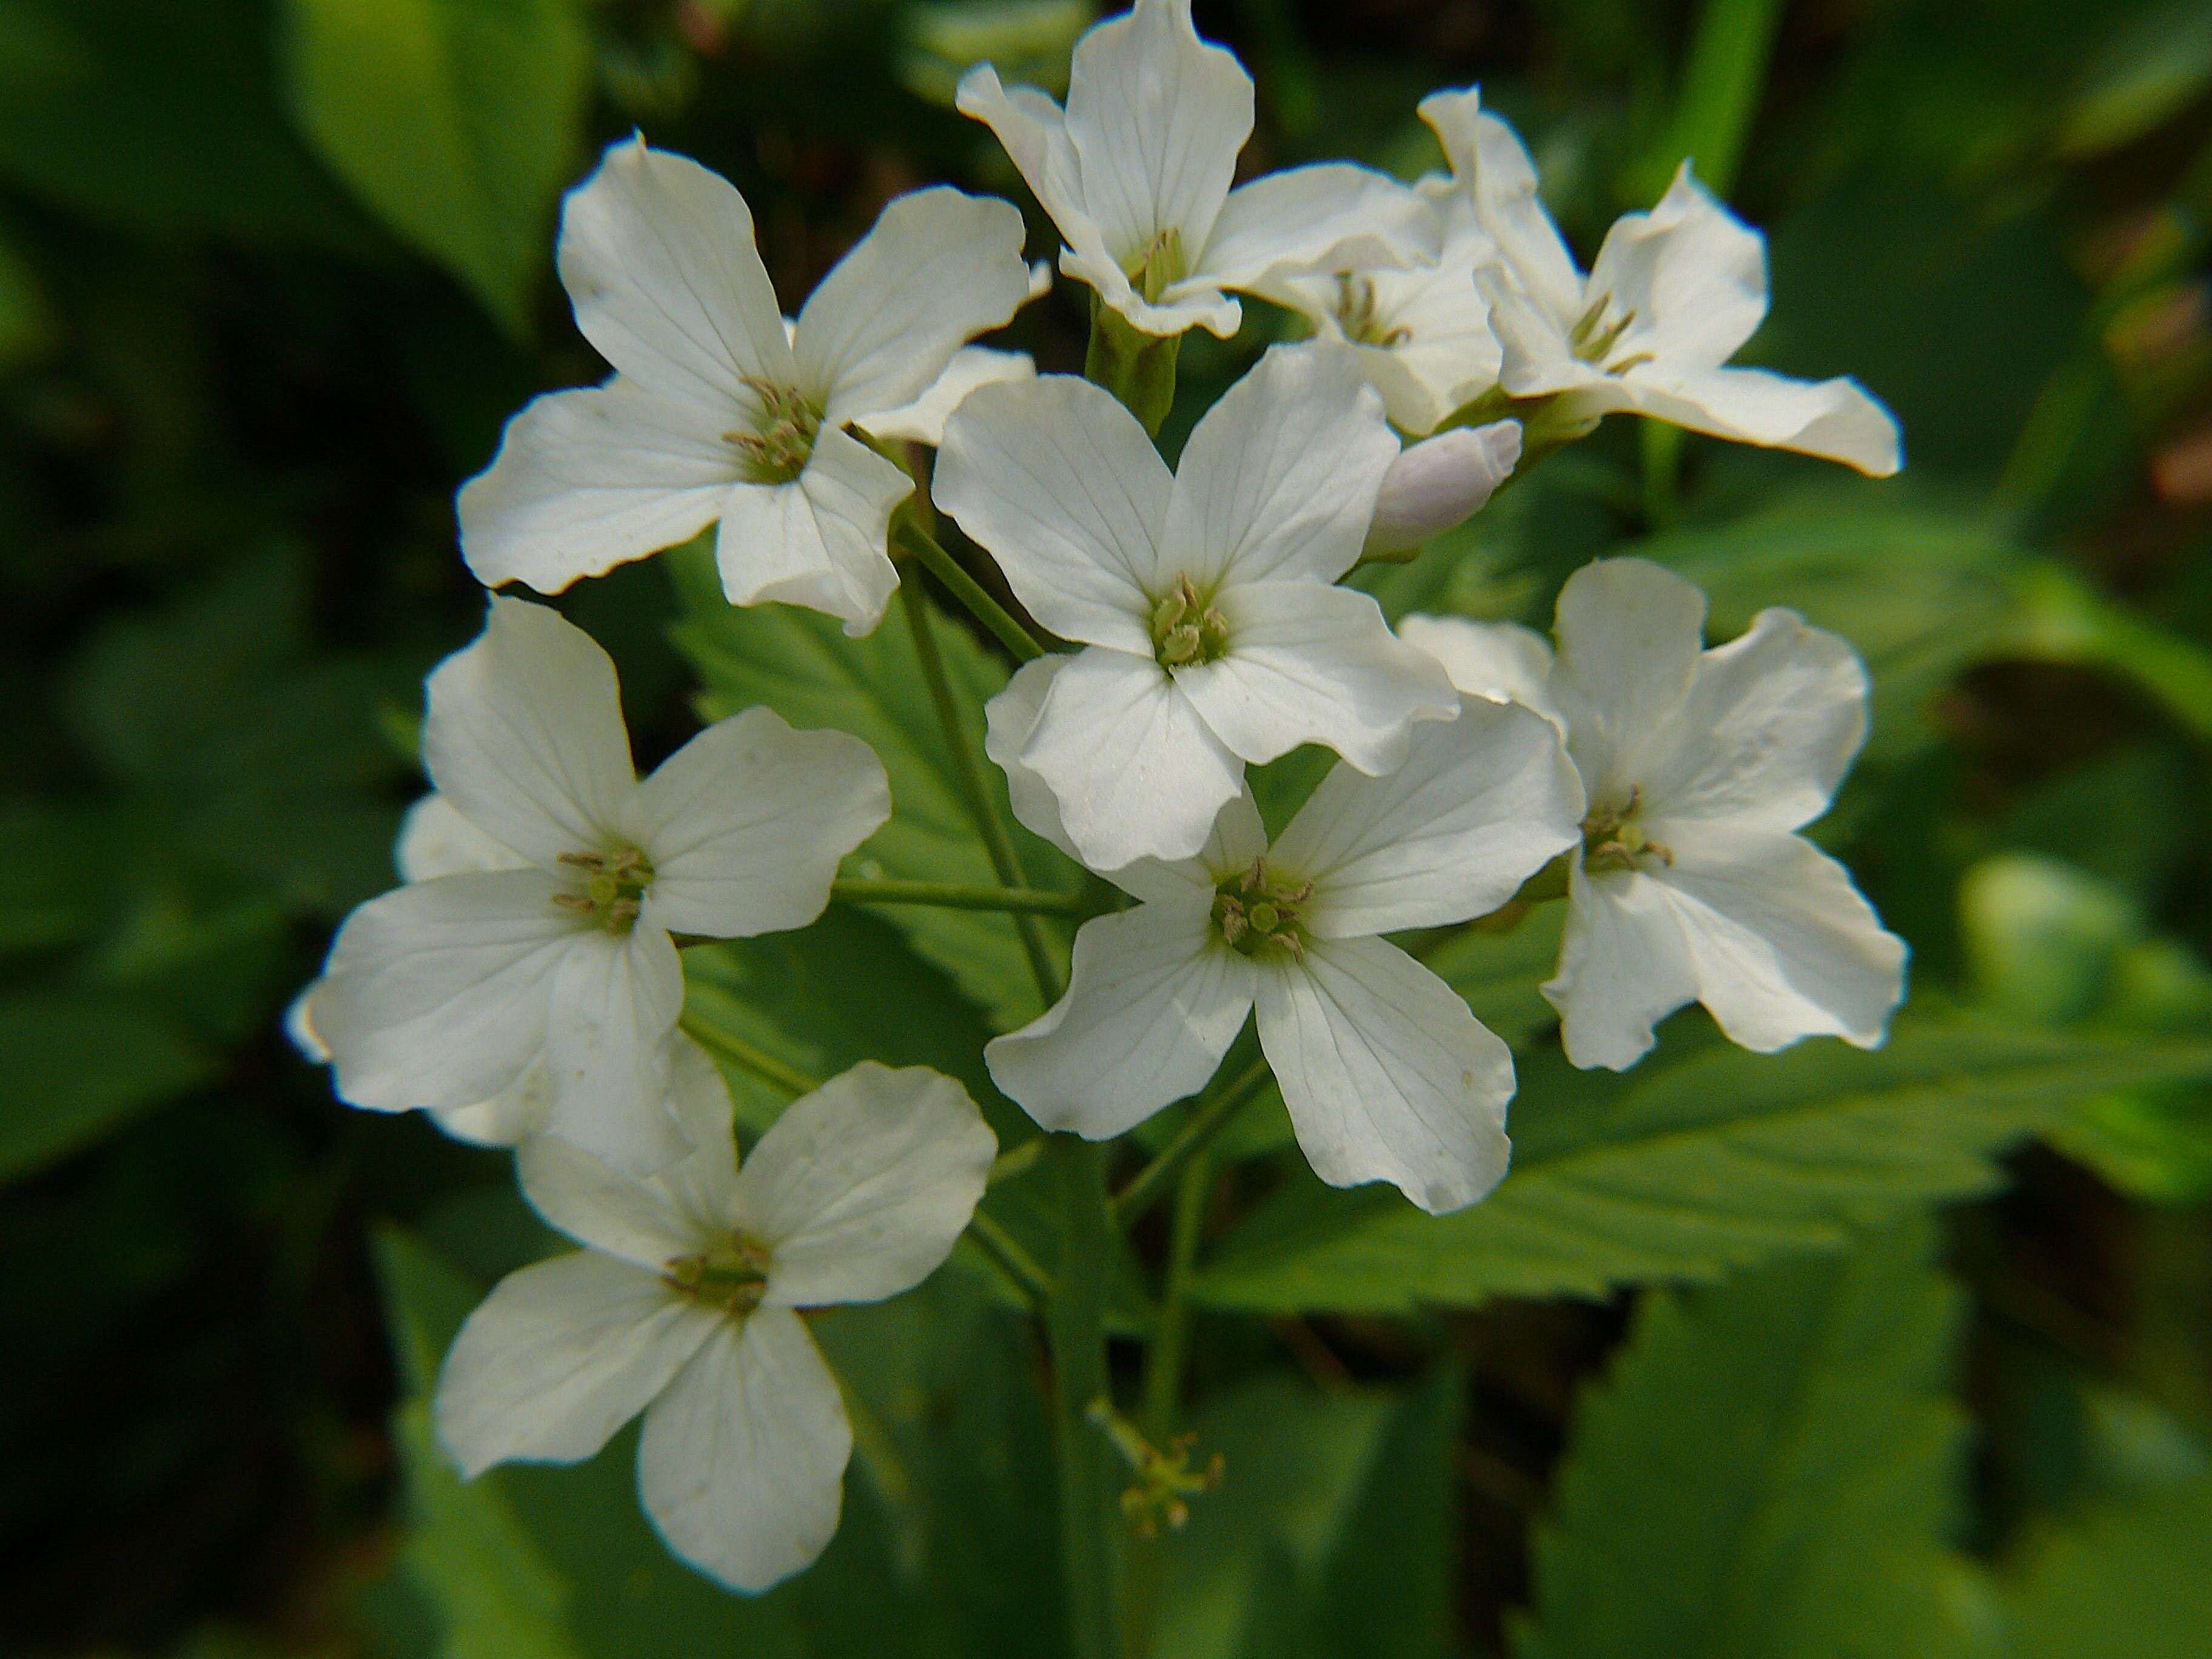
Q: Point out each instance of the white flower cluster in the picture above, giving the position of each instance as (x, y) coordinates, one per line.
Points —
(524, 983)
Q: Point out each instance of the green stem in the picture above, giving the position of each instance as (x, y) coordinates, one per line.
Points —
(1089, 1517)
(1016, 1159)
(970, 592)
(1211, 1117)
(998, 840)
(1022, 1269)
(1723, 80)
(952, 896)
(761, 1064)
(1138, 368)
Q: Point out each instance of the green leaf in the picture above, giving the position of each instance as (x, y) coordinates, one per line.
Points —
(1500, 974)
(2150, 71)
(456, 121)
(79, 1063)
(1326, 1500)
(802, 665)
(1695, 1163)
(2128, 1582)
(1769, 1472)
(158, 117)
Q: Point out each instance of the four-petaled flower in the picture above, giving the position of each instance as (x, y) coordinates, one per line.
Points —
(1206, 596)
(716, 412)
(685, 1303)
(1387, 1074)
(1690, 882)
(1674, 295)
(1136, 172)
(445, 993)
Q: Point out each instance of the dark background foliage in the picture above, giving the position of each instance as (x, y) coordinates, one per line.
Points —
(272, 274)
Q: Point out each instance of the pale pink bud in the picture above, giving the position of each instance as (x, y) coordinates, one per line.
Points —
(1441, 482)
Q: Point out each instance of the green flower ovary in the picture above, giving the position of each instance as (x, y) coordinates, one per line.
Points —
(1187, 630)
(1613, 837)
(1259, 912)
(1160, 267)
(777, 451)
(732, 1276)
(614, 888)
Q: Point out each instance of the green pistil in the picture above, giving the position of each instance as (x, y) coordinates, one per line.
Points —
(1594, 338)
(732, 1276)
(1260, 913)
(1613, 838)
(1160, 267)
(778, 450)
(614, 887)
(1187, 630)
(1356, 313)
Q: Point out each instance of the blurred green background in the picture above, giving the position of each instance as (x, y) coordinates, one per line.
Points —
(272, 272)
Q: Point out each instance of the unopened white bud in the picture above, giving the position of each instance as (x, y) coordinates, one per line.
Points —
(1441, 482)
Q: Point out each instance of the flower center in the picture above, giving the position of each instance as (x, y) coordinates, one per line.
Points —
(1613, 838)
(777, 450)
(732, 1276)
(1259, 911)
(1160, 267)
(1357, 315)
(614, 887)
(1599, 331)
(1187, 630)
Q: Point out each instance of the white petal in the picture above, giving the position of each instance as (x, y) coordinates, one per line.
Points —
(524, 734)
(1008, 720)
(647, 1220)
(1623, 967)
(1156, 117)
(614, 1008)
(861, 1188)
(743, 1461)
(1772, 720)
(589, 479)
(1308, 663)
(1501, 661)
(1440, 483)
(939, 268)
(1137, 772)
(507, 1118)
(745, 824)
(1034, 131)
(657, 254)
(923, 421)
(1781, 944)
(820, 540)
(1280, 477)
(1238, 837)
(1334, 214)
(1154, 999)
(1835, 420)
(1488, 159)
(435, 840)
(300, 1027)
(1690, 273)
(436, 994)
(558, 1357)
(1059, 483)
(1629, 634)
(1536, 359)
(1480, 805)
(1386, 1075)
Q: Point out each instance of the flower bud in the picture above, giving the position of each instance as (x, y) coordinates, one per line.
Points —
(1441, 482)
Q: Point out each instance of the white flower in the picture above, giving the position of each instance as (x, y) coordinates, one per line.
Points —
(1691, 885)
(447, 991)
(1215, 635)
(1674, 294)
(1387, 1074)
(1136, 174)
(1422, 331)
(714, 414)
(1441, 482)
(436, 840)
(682, 1306)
